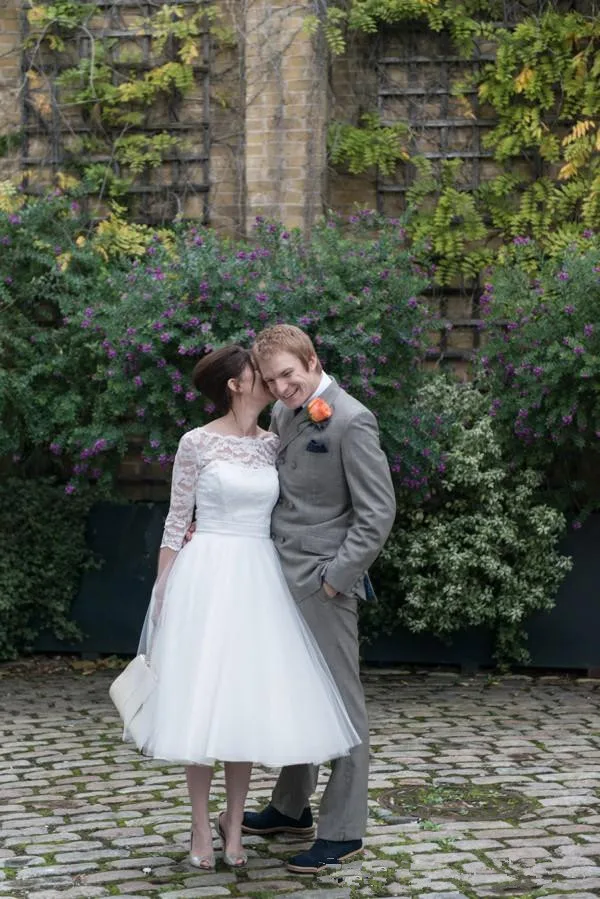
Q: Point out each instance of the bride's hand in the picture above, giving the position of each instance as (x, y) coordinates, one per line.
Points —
(189, 533)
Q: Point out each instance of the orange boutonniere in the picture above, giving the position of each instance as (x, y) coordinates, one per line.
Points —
(319, 411)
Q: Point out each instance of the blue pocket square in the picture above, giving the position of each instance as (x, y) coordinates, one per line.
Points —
(317, 446)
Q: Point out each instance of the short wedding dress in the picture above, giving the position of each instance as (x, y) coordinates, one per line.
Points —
(239, 675)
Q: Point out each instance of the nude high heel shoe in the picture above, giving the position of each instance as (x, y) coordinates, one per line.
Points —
(232, 861)
(203, 862)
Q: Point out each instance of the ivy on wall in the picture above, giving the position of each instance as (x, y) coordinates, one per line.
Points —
(113, 87)
(542, 91)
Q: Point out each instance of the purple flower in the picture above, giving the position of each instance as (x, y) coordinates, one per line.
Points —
(155, 444)
(165, 337)
(576, 525)
(588, 330)
(140, 412)
(100, 445)
(569, 309)
(412, 302)
(190, 396)
(567, 419)
(70, 488)
(578, 350)
(55, 448)
(563, 275)
(14, 219)
(138, 381)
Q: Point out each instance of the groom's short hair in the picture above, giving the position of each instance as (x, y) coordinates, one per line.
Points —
(285, 339)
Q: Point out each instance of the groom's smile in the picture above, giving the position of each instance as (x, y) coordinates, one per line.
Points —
(289, 380)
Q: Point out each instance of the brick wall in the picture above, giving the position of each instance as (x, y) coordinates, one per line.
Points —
(10, 72)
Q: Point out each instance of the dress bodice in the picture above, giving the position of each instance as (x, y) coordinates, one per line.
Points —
(230, 481)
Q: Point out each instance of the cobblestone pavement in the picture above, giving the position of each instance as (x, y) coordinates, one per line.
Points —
(478, 788)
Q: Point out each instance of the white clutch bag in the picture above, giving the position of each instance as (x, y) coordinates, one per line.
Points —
(130, 692)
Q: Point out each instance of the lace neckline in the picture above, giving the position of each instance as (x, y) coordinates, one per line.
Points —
(235, 437)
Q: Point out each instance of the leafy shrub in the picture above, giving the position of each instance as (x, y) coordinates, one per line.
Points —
(113, 361)
(44, 552)
(482, 549)
(541, 369)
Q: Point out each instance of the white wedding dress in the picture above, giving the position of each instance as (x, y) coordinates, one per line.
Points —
(239, 675)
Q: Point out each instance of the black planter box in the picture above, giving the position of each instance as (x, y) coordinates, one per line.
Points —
(567, 637)
(111, 603)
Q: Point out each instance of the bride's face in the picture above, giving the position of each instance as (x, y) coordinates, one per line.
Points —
(254, 388)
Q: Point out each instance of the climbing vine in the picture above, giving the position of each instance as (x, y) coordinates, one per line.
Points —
(114, 87)
(542, 91)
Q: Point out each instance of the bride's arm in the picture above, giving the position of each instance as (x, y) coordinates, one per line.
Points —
(183, 498)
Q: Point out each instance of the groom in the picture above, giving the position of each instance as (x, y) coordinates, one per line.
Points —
(335, 510)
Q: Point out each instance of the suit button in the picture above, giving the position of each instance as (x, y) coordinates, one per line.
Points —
(294, 465)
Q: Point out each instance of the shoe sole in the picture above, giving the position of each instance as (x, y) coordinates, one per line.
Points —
(299, 869)
(269, 831)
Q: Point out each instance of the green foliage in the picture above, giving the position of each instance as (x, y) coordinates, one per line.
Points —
(541, 370)
(543, 91)
(114, 98)
(153, 301)
(10, 142)
(372, 144)
(42, 532)
(482, 549)
(453, 227)
(100, 327)
(141, 151)
(465, 21)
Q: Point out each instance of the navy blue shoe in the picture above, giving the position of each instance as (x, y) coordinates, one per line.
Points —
(324, 854)
(271, 821)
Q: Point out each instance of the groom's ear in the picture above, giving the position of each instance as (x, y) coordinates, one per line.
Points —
(313, 362)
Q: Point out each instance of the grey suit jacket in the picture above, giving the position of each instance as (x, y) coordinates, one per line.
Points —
(336, 505)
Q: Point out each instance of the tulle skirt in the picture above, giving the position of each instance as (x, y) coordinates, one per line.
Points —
(239, 675)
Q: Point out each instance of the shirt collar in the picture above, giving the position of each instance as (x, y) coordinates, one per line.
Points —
(323, 385)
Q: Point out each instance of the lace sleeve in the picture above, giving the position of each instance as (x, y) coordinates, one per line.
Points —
(183, 494)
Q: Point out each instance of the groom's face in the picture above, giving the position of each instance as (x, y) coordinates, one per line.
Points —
(288, 378)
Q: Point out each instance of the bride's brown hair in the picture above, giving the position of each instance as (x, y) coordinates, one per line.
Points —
(213, 371)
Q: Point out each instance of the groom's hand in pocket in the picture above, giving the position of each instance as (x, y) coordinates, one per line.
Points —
(329, 590)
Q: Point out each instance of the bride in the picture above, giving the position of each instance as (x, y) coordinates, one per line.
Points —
(239, 676)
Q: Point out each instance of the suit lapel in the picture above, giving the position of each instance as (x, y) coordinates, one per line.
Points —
(294, 425)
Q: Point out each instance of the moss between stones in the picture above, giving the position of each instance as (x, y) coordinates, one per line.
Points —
(464, 802)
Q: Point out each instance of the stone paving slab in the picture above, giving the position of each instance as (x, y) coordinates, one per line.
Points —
(480, 788)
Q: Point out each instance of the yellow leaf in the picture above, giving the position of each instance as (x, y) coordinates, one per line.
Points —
(524, 79)
(567, 171)
(579, 130)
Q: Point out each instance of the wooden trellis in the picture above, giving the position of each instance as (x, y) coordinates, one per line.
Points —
(416, 70)
(55, 133)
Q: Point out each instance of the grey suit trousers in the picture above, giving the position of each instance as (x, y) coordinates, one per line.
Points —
(343, 810)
